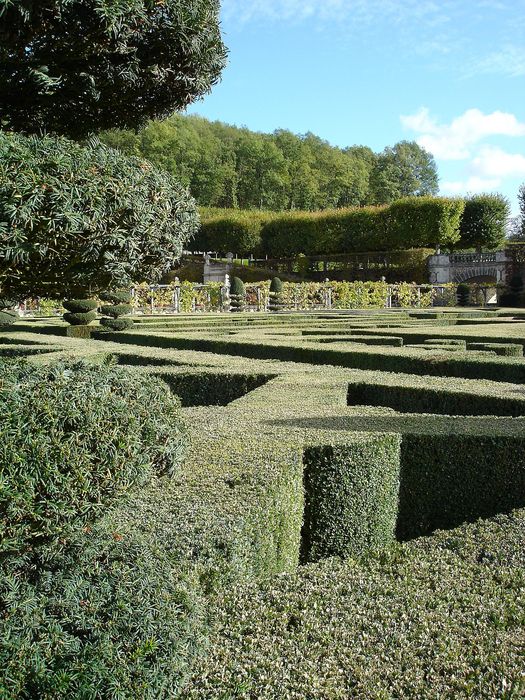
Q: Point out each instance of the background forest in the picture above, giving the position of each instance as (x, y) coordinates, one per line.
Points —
(227, 166)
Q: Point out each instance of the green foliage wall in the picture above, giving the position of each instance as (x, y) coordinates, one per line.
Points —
(77, 219)
(423, 222)
(231, 230)
(412, 222)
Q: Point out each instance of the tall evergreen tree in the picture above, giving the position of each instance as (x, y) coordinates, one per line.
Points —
(77, 66)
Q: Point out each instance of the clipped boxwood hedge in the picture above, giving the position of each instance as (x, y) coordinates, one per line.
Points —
(503, 349)
(406, 622)
(80, 305)
(441, 617)
(117, 324)
(395, 360)
(211, 388)
(419, 399)
(449, 479)
(351, 497)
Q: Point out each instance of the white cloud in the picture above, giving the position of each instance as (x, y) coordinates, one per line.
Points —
(454, 141)
(494, 162)
(509, 60)
(470, 186)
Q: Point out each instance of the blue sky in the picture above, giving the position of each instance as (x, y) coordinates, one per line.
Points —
(448, 74)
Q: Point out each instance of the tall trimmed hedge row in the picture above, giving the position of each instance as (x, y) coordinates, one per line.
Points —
(230, 230)
(408, 223)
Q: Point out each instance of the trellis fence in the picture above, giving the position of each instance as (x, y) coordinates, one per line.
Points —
(188, 297)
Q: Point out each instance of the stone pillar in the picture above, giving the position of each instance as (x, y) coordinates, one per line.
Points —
(225, 293)
(439, 269)
(176, 296)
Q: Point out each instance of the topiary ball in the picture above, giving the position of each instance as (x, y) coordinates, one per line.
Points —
(117, 310)
(237, 287)
(276, 286)
(80, 319)
(117, 324)
(80, 305)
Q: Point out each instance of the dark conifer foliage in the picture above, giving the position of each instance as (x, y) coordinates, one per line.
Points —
(77, 66)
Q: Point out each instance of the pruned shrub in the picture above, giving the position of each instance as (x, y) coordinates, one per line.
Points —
(112, 219)
(351, 494)
(276, 302)
(411, 222)
(120, 307)
(74, 437)
(237, 294)
(484, 220)
(7, 315)
(513, 295)
(117, 324)
(122, 296)
(414, 222)
(116, 310)
(80, 312)
(231, 230)
(502, 349)
(80, 305)
(463, 294)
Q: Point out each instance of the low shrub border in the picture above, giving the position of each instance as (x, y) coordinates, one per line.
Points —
(417, 399)
(397, 360)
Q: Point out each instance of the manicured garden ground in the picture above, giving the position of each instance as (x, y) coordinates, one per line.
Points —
(348, 521)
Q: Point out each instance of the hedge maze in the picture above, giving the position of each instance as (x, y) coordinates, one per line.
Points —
(391, 441)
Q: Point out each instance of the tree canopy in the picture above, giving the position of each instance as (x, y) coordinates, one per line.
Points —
(403, 171)
(77, 66)
(77, 220)
(226, 166)
(484, 221)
